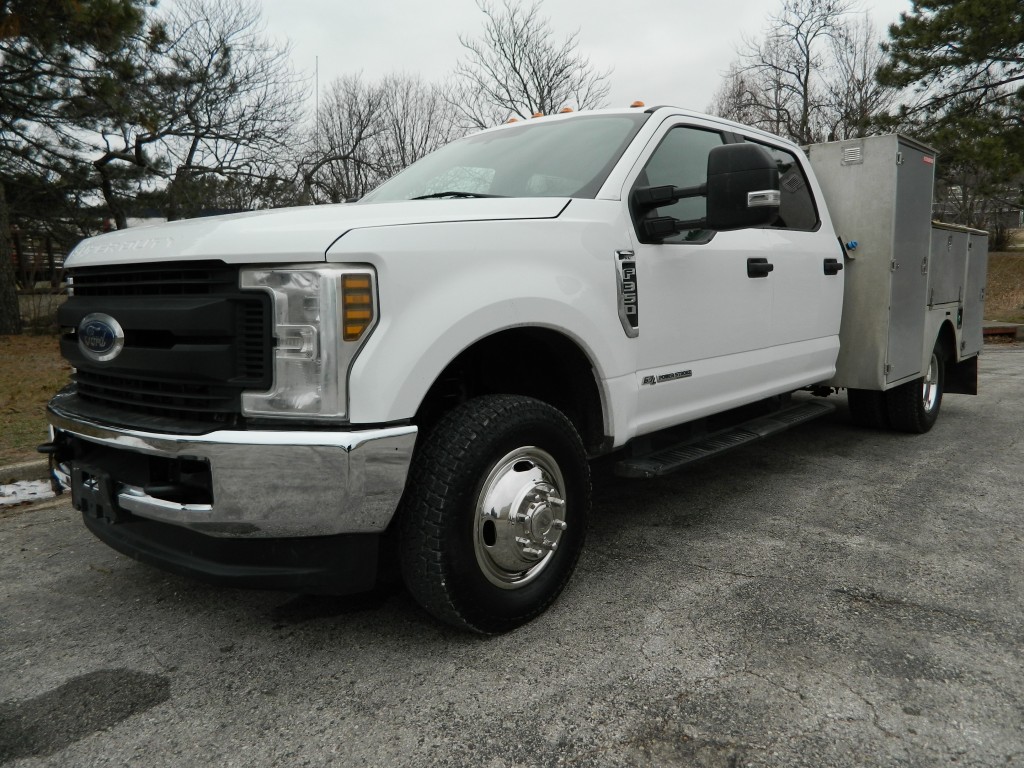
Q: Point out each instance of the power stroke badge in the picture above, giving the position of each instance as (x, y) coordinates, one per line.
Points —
(100, 337)
(674, 376)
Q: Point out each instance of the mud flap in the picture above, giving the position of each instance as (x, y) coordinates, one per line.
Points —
(962, 377)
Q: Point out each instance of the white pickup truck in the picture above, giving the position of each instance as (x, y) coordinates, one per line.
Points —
(312, 398)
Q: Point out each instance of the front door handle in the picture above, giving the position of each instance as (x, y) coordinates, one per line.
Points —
(759, 267)
(832, 266)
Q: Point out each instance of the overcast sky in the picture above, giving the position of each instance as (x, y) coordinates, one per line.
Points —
(660, 51)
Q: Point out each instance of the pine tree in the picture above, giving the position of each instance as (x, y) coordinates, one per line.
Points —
(51, 52)
(961, 65)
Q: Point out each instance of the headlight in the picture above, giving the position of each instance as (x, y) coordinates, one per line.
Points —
(322, 315)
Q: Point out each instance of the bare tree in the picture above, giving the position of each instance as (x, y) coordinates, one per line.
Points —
(855, 98)
(368, 132)
(518, 68)
(340, 163)
(736, 98)
(782, 80)
(213, 96)
(416, 120)
(759, 97)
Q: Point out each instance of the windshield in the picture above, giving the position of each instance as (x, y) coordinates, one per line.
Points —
(557, 158)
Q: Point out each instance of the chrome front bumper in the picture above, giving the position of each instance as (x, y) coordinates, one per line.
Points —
(265, 484)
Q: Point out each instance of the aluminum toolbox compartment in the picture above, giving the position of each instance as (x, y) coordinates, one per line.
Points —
(879, 193)
(973, 303)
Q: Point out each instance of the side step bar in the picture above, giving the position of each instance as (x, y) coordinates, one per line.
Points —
(666, 460)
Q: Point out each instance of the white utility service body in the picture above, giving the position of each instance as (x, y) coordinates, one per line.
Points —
(304, 397)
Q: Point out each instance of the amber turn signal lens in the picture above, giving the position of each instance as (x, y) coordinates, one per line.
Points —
(356, 305)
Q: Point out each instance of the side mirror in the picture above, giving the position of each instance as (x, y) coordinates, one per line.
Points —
(646, 199)
(742, 187)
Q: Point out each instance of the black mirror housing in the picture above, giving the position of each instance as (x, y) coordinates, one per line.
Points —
(646, 198)
(742, 187)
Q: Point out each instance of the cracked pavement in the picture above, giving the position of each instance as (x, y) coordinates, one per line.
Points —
(832, 596)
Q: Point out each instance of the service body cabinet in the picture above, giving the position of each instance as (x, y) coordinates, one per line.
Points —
(973, 303)
(956, 283)
(949, 264)
(904, 276)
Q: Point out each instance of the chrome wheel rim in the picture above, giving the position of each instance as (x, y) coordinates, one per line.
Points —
(519, 518)
(930, 385)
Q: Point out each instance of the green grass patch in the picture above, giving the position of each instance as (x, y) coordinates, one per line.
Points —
(1004, 298)
(31, 371)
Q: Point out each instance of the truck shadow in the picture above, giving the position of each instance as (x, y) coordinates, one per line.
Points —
(46, 724)
(710, 499)
(300, 609)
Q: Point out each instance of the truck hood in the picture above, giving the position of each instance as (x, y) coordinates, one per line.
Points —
(291, 234)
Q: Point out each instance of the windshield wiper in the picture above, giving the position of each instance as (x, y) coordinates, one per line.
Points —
(453, 194)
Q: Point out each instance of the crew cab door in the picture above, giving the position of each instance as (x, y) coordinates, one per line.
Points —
(727, 317)
(807, 259)
(703, 317)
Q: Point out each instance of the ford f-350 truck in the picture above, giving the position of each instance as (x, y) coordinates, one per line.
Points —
(417, 382)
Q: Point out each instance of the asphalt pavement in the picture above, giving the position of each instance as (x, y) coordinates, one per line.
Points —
(832, 597)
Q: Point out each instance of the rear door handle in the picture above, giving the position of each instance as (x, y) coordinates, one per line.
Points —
(759, 267)
(832, 266)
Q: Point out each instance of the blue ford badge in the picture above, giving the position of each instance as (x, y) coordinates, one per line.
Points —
(100, 337)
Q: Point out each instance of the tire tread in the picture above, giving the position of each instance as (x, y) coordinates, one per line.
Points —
(905, 403)
(441, 478)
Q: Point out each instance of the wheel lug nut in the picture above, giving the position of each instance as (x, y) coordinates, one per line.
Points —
(559, 524)
(554, 501)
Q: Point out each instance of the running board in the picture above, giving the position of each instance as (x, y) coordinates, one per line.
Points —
(666, 460)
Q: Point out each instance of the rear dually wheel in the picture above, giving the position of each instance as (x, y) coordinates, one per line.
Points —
(914, 406)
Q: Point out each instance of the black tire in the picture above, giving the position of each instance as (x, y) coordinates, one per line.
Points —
(483, 507)
(868, 408)
(914, 406)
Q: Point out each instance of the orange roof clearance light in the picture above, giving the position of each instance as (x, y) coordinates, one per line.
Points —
(637, 104)
(538, 114)
(512, 120)
(566, 110)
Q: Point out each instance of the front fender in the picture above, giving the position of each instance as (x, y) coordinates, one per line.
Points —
(442, 287)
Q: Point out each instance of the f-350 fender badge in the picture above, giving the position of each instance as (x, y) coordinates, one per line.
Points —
(100, 337)
(629, 305)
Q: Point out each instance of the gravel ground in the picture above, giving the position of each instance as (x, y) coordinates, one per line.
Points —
(834, 596)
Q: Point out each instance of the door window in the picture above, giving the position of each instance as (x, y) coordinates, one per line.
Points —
(797, 209)
(681, 160)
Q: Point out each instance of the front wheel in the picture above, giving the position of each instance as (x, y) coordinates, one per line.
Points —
(914, 406)
(494, 515)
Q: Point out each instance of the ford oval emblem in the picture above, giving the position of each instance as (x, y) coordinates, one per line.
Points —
(100, 337)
